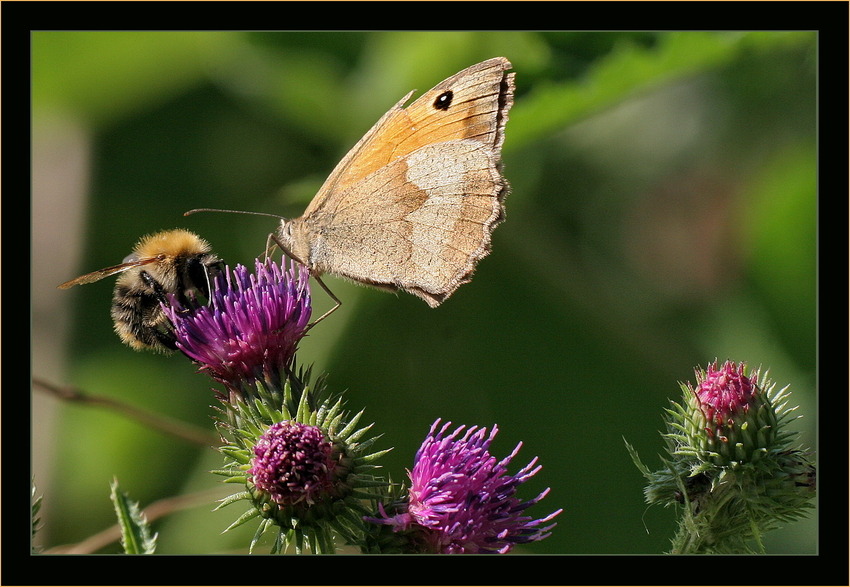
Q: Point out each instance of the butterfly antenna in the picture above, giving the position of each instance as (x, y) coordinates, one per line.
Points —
(195, 210)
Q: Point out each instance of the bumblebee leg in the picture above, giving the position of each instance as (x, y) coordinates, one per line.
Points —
(165, 338)
(155, 286)
(160, 332)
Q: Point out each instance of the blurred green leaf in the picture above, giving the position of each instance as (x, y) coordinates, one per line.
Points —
(104, 75)
(628, 69)
(778, 225)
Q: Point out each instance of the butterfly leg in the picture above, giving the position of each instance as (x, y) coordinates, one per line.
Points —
(271, 243)
(336, 300)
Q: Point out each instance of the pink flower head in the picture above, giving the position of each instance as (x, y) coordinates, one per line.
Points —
(293, 463)
(463, 497)
(251, 326)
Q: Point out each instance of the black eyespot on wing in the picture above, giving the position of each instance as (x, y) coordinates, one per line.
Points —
(444, 100)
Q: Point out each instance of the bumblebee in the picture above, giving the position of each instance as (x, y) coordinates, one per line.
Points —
(174, 262)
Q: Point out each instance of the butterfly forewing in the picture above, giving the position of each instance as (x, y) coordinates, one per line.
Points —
(472, 113)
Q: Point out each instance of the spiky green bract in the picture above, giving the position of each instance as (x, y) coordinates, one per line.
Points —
(136, 536)
(316, 523)
(393, 539)
(732, 474)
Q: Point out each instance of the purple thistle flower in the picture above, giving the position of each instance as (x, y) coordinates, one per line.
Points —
(251, 327)
(293, 463)
(464, 499)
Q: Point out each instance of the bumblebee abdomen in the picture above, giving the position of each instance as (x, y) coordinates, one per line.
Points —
(139, 319)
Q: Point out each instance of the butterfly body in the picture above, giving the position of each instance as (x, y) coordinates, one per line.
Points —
(412, 206)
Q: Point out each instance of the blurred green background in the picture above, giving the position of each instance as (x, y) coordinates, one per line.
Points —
(663, 214)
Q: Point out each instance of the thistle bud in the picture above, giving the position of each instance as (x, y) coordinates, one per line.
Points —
(732, 471)
(736, 421)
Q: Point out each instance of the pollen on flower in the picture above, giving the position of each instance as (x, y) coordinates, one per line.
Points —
(293, 463)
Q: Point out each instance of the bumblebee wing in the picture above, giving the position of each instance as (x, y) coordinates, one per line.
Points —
(106, 272)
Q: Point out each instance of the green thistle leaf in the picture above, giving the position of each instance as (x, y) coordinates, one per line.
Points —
(136, 537)
(35, 520)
